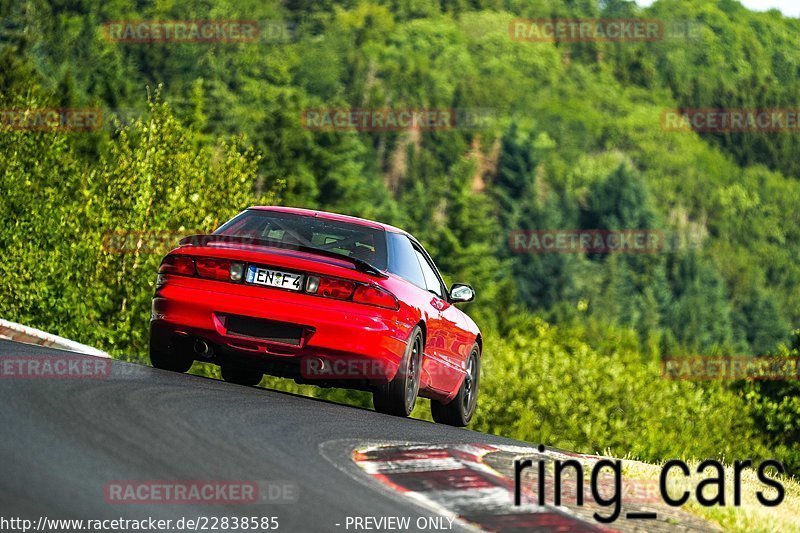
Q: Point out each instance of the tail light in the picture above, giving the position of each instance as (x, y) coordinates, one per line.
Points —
(237, 271)
(371, 295)
(177, 264)
(219, 269)
(208, 267)
(205, 267)
(339, 289)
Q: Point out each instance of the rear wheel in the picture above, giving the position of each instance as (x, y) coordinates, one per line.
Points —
(460, 410)
(399, 396)
(241, 375)
(165, 359)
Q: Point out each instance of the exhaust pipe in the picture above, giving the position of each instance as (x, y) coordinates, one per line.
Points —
(202, 348)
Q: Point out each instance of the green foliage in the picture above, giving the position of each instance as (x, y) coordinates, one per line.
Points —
(58, 272)
(776, 409)
(576, 144)
(604, 399)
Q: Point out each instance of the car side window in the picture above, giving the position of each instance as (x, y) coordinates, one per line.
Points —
(432, 282)
(403, 260)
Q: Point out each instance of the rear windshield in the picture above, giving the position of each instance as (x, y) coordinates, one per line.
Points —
(294, 231)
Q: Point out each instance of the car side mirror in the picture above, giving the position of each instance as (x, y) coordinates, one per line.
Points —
(461, 292)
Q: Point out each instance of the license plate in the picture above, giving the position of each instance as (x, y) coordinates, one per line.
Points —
(274, 278)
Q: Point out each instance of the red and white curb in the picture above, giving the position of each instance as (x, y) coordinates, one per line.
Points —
(454, 480)
(28, 335)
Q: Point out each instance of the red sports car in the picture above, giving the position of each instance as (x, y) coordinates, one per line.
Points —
(322, 298)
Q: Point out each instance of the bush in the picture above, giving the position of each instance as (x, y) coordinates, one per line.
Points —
(547, 385)
(55, 272)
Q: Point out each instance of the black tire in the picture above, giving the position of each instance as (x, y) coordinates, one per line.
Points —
(399, 396)
(461, 408)
(165, 359)
(241, 375)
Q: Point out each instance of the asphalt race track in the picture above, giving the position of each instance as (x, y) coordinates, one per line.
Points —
(63, 440)
(66, 441)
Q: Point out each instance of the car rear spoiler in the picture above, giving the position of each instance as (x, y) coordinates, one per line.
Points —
(202, 240)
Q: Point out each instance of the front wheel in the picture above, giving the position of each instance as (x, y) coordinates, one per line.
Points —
(461, 408)
(399, 396)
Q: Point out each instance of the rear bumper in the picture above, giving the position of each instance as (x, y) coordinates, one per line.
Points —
(340, 341)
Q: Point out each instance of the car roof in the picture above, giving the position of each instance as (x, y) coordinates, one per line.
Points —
(330, 216)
